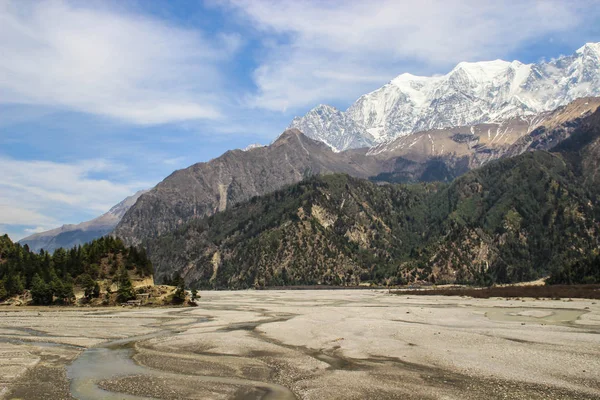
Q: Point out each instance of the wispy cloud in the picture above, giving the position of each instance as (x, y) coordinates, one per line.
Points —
(321, 51)
(95, 60)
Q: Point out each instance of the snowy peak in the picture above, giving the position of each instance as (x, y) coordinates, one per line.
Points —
(338, 132)
(483, 70)
(471, 93)
(589, 50)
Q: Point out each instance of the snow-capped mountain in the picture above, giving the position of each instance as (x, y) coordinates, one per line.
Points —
(472, 93)
(333, 127)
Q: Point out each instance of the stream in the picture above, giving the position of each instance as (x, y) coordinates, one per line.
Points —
(114, 359)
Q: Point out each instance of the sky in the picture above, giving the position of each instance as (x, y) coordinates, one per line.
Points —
(99, 99)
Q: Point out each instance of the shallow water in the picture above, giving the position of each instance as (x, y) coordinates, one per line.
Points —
(97, 364)
(114, 359)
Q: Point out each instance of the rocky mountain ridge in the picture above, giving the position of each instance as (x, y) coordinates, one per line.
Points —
(209, 187)
(458, 149)
(472, 93)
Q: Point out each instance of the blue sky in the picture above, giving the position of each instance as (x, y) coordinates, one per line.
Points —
(101, 98)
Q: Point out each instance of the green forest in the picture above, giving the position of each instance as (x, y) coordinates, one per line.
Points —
(513, 220)
(51, 278)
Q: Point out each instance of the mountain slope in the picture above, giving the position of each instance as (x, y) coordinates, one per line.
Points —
(237, 175)
(512, 220)
(327, 229)
(68, 236)
(444, 154)
(472, 93)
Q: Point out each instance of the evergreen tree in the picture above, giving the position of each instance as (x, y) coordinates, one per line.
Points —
(3, 292)
(179, 295)
(88, 284)
(14, 284)
(125, 290)
(40, 291)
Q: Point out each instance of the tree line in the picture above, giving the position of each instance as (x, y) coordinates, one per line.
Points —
(51, 278)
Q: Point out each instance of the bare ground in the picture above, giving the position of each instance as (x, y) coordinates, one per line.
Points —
(307, 345)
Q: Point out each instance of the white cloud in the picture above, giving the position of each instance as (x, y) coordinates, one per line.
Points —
(324, 51)
(38, 194)
(109, 63)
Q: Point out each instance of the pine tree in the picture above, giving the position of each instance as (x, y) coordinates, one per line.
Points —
(40, 291)
(179, 295)
(125, 290)
(88, 285)
(96, 291)
(3, 292)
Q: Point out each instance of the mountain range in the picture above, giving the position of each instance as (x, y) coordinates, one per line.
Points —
(514, 219)
(472, 93)
(477, 121)
(206, 188)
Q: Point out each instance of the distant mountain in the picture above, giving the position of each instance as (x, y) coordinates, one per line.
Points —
(236, 176)
(472, 93)
(514, 219)
(68, 236)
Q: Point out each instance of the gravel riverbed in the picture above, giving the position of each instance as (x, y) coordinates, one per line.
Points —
(309, 344)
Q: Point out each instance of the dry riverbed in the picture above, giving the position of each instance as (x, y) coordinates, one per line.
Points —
(339, 344)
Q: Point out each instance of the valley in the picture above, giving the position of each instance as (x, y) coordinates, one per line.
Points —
(341, 344)
(243, 200)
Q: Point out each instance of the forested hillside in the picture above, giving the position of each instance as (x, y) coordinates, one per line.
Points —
(512, 220)
(51, 278)
(332, 230)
